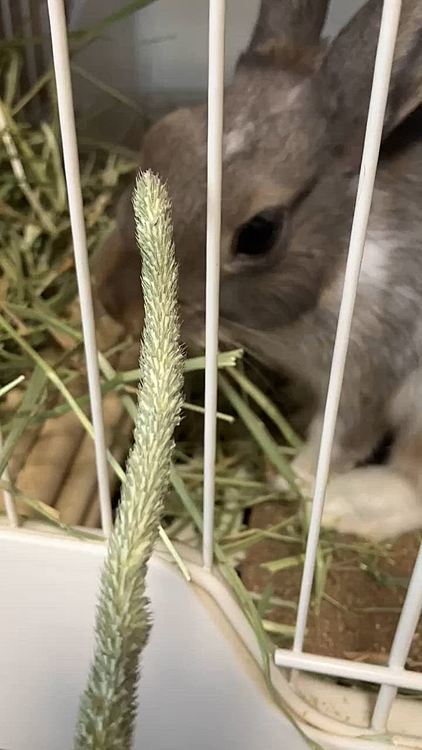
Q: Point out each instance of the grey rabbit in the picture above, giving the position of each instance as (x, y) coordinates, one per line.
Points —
(295, 117)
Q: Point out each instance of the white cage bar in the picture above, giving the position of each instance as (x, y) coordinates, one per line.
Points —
(349, 670)
(61, 60)
(215, 159)
(394, 676)
(406, 628)
(378, 101)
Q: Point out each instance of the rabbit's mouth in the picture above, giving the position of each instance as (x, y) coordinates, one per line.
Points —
(193, 329)
(231, 334)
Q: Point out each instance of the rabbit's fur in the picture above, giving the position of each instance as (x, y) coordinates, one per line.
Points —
(295, 117)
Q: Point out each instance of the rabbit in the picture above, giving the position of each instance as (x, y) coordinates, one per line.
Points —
(295, 117)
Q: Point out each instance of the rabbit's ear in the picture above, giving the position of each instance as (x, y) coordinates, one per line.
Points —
(291, 23)
(347, 71)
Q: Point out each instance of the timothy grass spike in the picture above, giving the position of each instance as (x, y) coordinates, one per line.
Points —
(108, 706)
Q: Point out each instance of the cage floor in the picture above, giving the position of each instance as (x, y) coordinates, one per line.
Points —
(358, 611)
(362, 595)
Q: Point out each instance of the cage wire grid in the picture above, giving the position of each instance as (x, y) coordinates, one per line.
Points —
(393, 676)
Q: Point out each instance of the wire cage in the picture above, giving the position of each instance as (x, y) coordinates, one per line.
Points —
(331, 714)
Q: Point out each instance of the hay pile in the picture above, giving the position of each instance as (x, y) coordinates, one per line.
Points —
(260, 535)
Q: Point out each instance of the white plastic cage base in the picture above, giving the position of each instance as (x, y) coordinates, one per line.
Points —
(200, 686)
(197, 689)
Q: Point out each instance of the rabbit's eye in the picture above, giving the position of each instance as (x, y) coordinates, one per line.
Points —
(258, 235)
